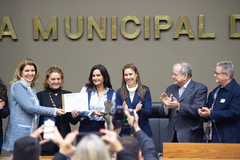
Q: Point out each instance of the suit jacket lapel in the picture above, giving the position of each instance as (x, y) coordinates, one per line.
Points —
(134, 102)
(175, 92)
(187, 90)
(128, 101)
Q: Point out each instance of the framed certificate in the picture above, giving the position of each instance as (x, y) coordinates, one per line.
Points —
(75, 101)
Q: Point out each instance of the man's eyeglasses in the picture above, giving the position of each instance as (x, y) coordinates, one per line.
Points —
(218, 73)
(174, 74)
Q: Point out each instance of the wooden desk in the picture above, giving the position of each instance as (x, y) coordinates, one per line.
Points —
(201, 150)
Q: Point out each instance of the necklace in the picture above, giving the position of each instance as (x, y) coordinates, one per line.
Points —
(54, 105)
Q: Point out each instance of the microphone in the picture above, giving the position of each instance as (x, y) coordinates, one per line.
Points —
(214, 123)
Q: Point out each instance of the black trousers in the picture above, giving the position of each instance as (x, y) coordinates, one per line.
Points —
(175, 137)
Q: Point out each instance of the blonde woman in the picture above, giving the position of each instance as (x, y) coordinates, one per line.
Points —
(24, 105)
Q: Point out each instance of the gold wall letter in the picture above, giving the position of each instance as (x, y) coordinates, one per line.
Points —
(6, 22)
(93, 24)
(52, 27)
(183, 21)
(201, 29)
(123, 27)
(162, 27)
(68, 28)
(114, 27)
(233, 19)
(146, 28)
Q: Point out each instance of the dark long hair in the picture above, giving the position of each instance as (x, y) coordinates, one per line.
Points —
(141, 88)
(107, 83)
(3, 90)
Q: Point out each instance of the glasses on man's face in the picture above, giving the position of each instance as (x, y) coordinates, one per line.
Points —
(218, 73)
(174, 74)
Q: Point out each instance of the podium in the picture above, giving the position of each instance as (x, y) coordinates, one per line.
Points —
(214, 151)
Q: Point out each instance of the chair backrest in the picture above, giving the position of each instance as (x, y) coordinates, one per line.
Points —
(158, 126)
(155, 109)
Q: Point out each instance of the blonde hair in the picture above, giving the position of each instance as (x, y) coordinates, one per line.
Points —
(50, 70)
(17, 75)
(91, 147)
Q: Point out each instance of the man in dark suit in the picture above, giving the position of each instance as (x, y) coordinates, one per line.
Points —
(181, 102)
(223, 107)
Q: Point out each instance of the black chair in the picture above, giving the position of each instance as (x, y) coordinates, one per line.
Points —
(158, 126)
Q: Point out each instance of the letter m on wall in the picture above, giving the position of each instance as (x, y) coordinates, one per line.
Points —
(52, 27)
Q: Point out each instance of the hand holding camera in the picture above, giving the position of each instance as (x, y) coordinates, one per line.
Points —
(133, 120)
(119, 117)
(65, 145)
(111, 137)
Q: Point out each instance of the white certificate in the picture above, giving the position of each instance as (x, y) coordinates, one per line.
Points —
(75, 101)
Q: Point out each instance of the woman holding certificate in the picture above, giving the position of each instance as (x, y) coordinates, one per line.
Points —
(24, 104)
(52, 96)
(99, 90)
(134, 95)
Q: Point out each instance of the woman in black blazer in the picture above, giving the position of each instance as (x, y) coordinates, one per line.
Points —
(52, 96)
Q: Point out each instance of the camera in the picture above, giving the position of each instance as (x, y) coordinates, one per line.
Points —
(119, 117)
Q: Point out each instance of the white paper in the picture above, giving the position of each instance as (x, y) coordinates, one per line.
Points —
(75, 101)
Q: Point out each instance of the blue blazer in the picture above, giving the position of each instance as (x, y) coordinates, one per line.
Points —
(145, 112)
(225, 115)
(23, 108)
(187, 122)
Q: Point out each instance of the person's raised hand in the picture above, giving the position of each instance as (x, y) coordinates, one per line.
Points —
(37, 134)
(111, 137)
(124, 105)
(65, 145)
(133, 120)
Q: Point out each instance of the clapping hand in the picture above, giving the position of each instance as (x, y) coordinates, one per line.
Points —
(204, 112)
(169, 102)
(2, 103)
(124, 105)
(139, 106)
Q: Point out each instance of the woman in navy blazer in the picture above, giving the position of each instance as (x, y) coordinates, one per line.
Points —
(134, 95)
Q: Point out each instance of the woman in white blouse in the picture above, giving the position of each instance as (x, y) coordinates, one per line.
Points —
(99, 90)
